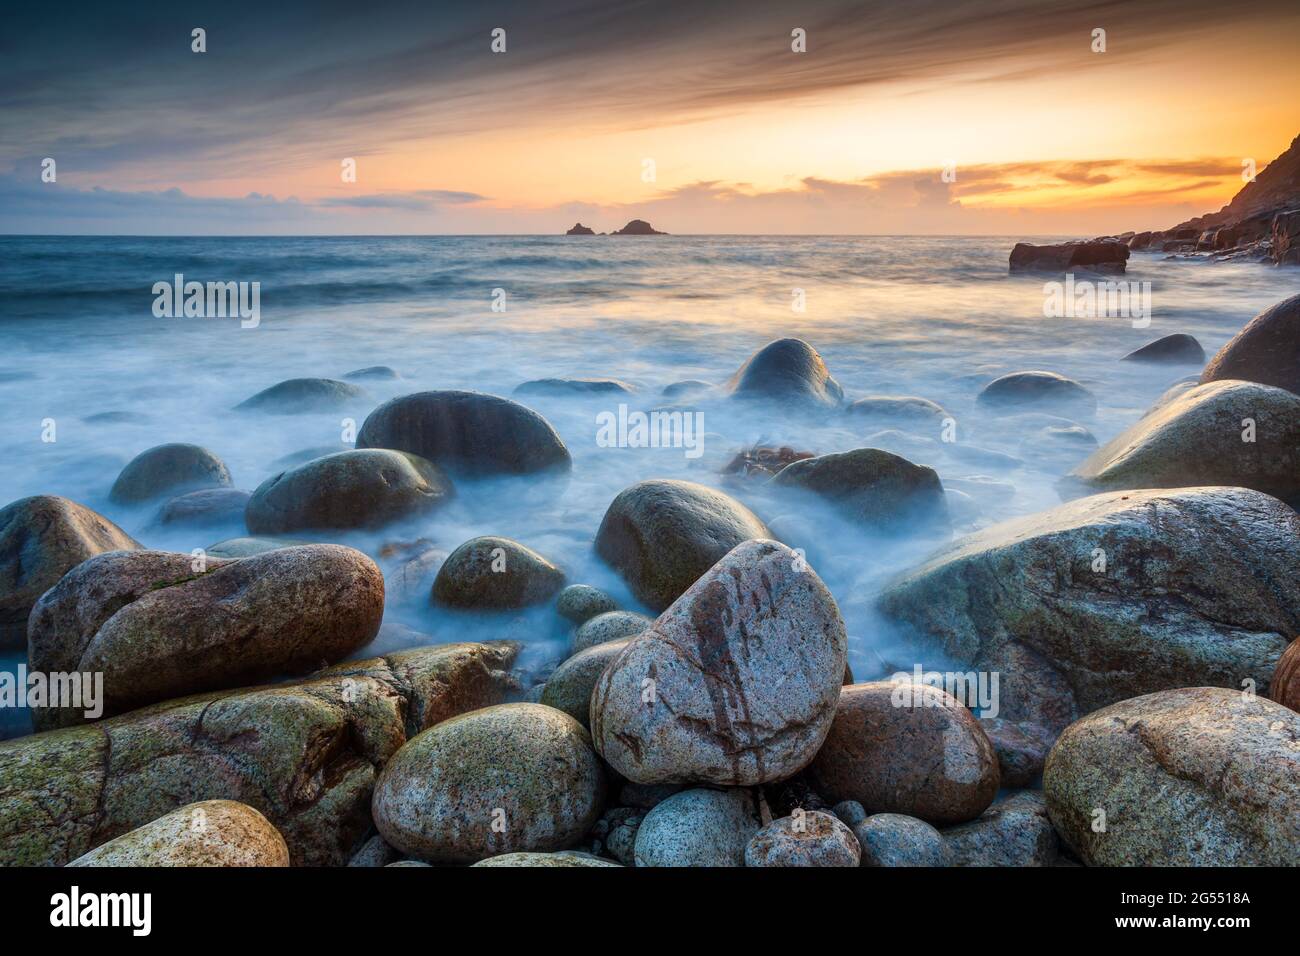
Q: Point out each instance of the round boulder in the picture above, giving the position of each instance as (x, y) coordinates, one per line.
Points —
(1267, 350)
(907, 412)
(570, 685)
(206, 507)
(902, 747)
(610, 626)
(490, 572)
(208, 833)
(575, 386)
(1169, 350)
(1224, 433)
(1285, 686)
(810, 838)
(874, 487)
(42, 538)
(545, 859)
(1023, 391)
(744, 671)
(895, 839)
(298, 396)
(168, 470)
(505, 779)
(349, 489)
(789, 370)
(467, 433)
(661, 535)
(1199, 776)
(157, 627)
(579, 603)
(698, 828)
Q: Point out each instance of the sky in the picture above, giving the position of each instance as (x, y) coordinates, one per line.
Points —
(974, 117)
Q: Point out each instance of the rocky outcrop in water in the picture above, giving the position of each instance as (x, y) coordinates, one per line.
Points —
(578, 229)
(638, 227)
(788, 370)
(1093, 255)
(1113, 596)
(298, 396)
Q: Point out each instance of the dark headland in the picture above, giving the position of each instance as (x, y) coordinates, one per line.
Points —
(636, 227)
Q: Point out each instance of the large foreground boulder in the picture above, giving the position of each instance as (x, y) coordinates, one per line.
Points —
(1224, 433)
(1114, 596)
(744, 671)
(42, 538)
(467, 433)
(364, 488)
(1014, 831)
(208, 833)
(305, 755)
(156, 627)
(168, 470)
(1267, 350)
(1199, 776)
(507, 779)
(900, 747)
(789, 370)
(661, 535)
(876, 488)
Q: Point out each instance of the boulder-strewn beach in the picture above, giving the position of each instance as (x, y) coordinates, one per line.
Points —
(874, 651)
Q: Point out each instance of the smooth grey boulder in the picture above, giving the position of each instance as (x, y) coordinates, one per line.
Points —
(373, 373)
(42, 538)
(745, 670)
(895, 839)
(570, 685)
(662, 534)
(563, 860)
(1113, 596)
(698, 828)
(1266, 351)
(157, 627)
(297, 396)
(505, 779)
(304, 754)
(467, 433)
(171, 470)
(246, 547)
(207, 833)
(690, 388)
(1179, 348)
(810, 838)
(1224, 433)
(1014, 831)
(206, 507)
(365, 488)
(903, 747)
(908, 412)
(1038, 391)
(610, 626)
(575, 386)
(876, 488)
(579, 603)
(787, 370)
(490, 572)
(1198, 776)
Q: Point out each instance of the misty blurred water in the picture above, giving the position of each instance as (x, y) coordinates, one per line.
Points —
(933, 317)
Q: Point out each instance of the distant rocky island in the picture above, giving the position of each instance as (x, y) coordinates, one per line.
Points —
(636, 227)
(1262, 222)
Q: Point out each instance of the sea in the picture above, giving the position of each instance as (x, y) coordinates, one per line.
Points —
(91, 375)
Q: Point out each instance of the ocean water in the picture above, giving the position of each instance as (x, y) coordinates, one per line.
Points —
(931, 317)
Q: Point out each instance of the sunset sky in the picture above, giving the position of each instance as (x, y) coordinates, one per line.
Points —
(745, 135)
